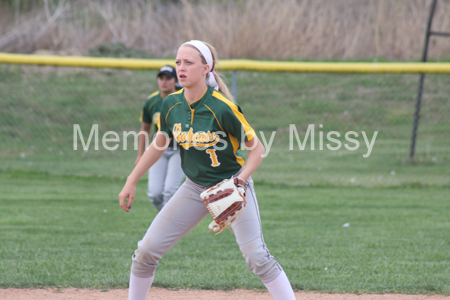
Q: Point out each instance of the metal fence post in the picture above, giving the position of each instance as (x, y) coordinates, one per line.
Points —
(419, 93)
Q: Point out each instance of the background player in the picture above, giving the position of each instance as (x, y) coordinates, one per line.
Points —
(166, 175)
(208, 128)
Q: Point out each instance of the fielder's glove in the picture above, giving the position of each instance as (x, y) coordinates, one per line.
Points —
(225, 201)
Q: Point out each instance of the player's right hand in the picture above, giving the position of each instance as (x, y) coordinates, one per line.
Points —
(128, 192)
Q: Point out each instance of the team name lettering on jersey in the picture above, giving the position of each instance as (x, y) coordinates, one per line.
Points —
(187, 139)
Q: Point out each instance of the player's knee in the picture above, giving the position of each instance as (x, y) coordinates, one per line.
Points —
(155, 198)
(145, 259)
(143, 270)
(261, 263)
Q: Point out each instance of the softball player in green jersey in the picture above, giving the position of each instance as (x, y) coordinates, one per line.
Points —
(166, 175)
(209, 129)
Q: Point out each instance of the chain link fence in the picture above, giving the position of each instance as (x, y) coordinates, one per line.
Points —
(318, 128)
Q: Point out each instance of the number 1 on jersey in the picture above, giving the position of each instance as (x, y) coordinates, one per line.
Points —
(212, 154)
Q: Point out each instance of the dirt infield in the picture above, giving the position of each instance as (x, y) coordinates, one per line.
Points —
(164, 294)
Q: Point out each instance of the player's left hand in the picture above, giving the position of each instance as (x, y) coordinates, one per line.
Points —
(225, 201)
(128, 192)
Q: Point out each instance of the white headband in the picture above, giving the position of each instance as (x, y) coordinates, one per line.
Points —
(204, 50)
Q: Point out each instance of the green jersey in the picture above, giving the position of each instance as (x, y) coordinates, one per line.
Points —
(209, 133)
(151, 111)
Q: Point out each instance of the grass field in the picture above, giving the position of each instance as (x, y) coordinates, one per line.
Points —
(61, 225)
(40, 106)
(63, 231)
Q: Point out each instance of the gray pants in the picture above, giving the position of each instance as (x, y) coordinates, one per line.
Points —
(164, 178)
(183, 212)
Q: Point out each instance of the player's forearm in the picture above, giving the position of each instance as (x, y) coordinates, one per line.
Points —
(141, 147)
(254, 159)
(149, 158)
(143, 138)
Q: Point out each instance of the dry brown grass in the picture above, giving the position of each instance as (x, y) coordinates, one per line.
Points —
(270, 29)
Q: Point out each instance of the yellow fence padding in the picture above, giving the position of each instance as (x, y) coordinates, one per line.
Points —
(236, 64)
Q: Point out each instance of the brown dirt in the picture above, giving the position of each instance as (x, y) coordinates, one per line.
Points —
(164, 294)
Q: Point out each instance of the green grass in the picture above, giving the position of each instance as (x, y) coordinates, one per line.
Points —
(61, 231)
(61, 225)
(39, 107)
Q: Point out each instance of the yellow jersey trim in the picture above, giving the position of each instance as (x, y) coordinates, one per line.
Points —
(153, 94)
(215, 117)
(249, 132)
(154, 102)
(235, 144)
(168, 112)
(150, 107)
(177, 92)
(192, 110)
(197, 99)
(192, 114)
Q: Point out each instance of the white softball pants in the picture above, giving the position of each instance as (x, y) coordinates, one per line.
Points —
(183, 212)
(164, 178)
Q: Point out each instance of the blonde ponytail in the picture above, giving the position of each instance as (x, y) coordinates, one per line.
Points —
(223, 88)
